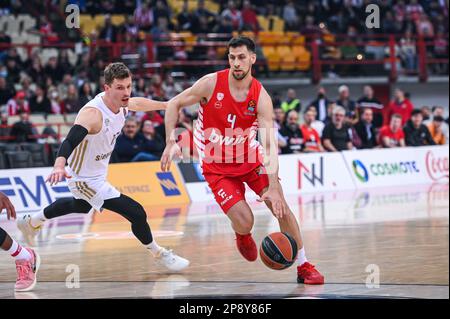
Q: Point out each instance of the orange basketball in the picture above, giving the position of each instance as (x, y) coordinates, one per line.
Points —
(278, 251)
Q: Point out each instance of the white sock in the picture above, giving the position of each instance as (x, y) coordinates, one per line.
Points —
(154, 248)
(18, 252)
(301, 257)
(38, 219)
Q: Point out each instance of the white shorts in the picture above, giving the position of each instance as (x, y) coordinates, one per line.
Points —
(93, 191)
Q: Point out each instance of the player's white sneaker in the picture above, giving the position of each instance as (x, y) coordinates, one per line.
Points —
(170, 260)
(29, 232)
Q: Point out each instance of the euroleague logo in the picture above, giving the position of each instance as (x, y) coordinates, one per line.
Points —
(437, 167)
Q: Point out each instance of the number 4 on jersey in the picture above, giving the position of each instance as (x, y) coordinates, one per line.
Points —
(232, 119)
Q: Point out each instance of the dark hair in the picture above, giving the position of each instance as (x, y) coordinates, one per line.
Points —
(242, 41)
(435, 107)
(116, 70)
(416, 112)
(438, 118)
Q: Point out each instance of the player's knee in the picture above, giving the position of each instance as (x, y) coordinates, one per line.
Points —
(244, 224)
(139, 214)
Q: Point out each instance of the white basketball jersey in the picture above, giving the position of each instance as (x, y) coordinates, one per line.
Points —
(91, 157)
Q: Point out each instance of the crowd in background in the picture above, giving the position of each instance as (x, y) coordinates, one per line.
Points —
(29, 86)
(365, 123)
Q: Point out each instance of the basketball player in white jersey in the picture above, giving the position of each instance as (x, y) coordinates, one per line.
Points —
(87, 150)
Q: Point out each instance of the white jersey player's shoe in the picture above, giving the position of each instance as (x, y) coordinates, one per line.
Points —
(170, 260)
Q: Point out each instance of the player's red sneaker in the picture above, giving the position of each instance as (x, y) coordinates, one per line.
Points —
(308, 274)
(247, 246)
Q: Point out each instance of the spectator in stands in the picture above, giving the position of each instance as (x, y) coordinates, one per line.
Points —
(53, 70)
(184, 18)
(18, 104)
(435, 128)
(408, 52)
(365, 129)
(64, 62)
(321, 104)
(109, 31)
(143, 16)
(292, 134)
(132, 145)
(233, 14)
(63, 87)
(154, 117)
(201, 11)
(13, 71)
(414, 10)
(85, 94)
(400, 105)
(317, 125)
(57, 107)
(156, 87)
(154, 139)
(439, 111)
(292, 102)
(225, 26)
(335, 136)
(290, 16)
(441, 52)
(280, 115)
(6, 91)
(249, 17)
(71, 102)
(161, 11)
(370, 101)
(40, 103)
(416, 133)
(23, 130)
(170, 87)
(4, 38)
(4, 129)
(27, 87)
(345, 101)
(141, 88)
(36, 71)
(424, 26)
(311, 137)
(392, 135)
(426, 112)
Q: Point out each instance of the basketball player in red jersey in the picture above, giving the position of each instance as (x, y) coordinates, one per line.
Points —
(233, 105)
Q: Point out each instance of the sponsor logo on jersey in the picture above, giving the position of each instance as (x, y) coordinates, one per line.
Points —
(102, 157)
(220, 96)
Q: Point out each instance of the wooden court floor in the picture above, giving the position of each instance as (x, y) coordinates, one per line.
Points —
(379, 243)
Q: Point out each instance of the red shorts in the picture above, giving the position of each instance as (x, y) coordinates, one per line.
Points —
(228, 190)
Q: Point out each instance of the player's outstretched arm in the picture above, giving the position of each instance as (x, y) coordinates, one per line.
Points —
(88, 121)
(268, 140)
(201, 90)
(142, 104)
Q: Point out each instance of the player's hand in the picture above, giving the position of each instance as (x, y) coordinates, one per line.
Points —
(57, 175)
(275, 196)
(6, 203)
(171, 151)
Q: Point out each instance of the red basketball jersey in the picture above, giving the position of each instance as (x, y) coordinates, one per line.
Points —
(225, 132)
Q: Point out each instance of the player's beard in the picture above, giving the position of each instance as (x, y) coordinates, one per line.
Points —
(242, 76)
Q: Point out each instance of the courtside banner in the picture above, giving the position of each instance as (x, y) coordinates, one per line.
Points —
(315, 172)
(399, 166)
(27, 190)
(147, 184)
